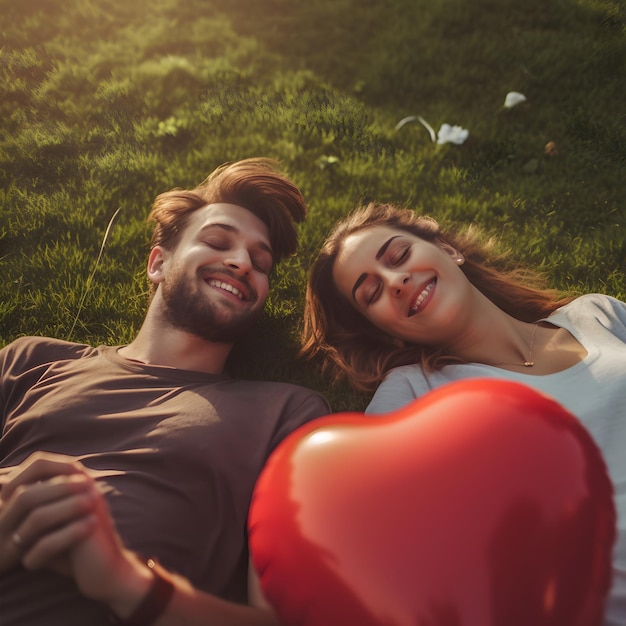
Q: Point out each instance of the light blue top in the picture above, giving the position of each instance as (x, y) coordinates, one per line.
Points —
(594, 390)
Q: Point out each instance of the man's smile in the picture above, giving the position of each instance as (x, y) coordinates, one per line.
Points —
(226, 287)
(221, 279)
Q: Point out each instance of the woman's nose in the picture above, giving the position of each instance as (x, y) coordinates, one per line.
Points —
(398, 283)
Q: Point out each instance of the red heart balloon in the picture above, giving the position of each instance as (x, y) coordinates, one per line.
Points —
(483, 503)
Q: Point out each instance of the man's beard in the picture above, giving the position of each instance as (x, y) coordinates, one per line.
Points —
(195, 313)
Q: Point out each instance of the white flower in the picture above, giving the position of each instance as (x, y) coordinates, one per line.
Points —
(513, 98)
(447, 133)
(452, 134)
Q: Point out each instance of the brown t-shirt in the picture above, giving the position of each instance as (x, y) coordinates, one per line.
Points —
(177, 454)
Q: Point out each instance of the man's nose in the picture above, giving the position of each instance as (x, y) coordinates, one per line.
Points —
(239, 260)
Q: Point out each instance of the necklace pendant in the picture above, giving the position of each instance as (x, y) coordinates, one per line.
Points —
(528, 363)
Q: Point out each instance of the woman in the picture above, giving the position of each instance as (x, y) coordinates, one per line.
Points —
(398, 306)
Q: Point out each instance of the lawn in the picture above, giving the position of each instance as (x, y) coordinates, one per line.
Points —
(106, 103)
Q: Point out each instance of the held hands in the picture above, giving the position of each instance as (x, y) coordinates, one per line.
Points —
(52, 515)
(46, 506)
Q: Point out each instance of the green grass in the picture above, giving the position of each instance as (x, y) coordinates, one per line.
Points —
(105, 104)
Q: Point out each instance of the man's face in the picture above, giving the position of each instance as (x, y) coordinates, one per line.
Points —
(215, 282)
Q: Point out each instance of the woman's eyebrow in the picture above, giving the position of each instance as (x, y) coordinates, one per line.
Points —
(379, 254)
(357, 284)
(384, 247)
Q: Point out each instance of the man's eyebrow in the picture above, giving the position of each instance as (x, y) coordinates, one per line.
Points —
(363, 276)
(235, 231)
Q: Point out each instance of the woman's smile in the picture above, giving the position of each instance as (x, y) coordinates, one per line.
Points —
(423, 298)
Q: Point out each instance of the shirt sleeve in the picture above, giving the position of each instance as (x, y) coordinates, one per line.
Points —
(21, 357)
(401, 386)
(618, 309)
(597, 310)
(303, 408)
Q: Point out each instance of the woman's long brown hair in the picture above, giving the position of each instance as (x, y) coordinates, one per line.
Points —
(348, 345)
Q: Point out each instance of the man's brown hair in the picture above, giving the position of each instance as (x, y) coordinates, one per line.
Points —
(253, 184)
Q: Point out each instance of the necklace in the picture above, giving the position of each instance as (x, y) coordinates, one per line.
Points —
(528, 362)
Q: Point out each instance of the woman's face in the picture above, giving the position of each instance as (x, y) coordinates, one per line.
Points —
(408, 287)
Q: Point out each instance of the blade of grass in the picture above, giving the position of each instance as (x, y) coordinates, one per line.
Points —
(93, 273)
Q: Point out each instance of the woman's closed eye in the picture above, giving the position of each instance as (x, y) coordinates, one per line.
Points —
(372, 293)
(399, 255)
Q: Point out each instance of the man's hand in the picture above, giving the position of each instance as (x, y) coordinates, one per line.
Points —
(52, 515)
(46, 506)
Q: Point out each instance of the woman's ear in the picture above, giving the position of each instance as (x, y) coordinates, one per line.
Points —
(459, 259)
(156, 261)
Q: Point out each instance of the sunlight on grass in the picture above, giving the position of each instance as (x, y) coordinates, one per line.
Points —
(104, 105)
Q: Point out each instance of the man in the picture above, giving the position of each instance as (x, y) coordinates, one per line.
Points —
(113, 456)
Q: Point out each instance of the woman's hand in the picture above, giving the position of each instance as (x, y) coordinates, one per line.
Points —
(103, 569)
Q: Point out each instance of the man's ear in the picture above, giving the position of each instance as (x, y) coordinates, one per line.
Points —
(156, 262)
(459, 259)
